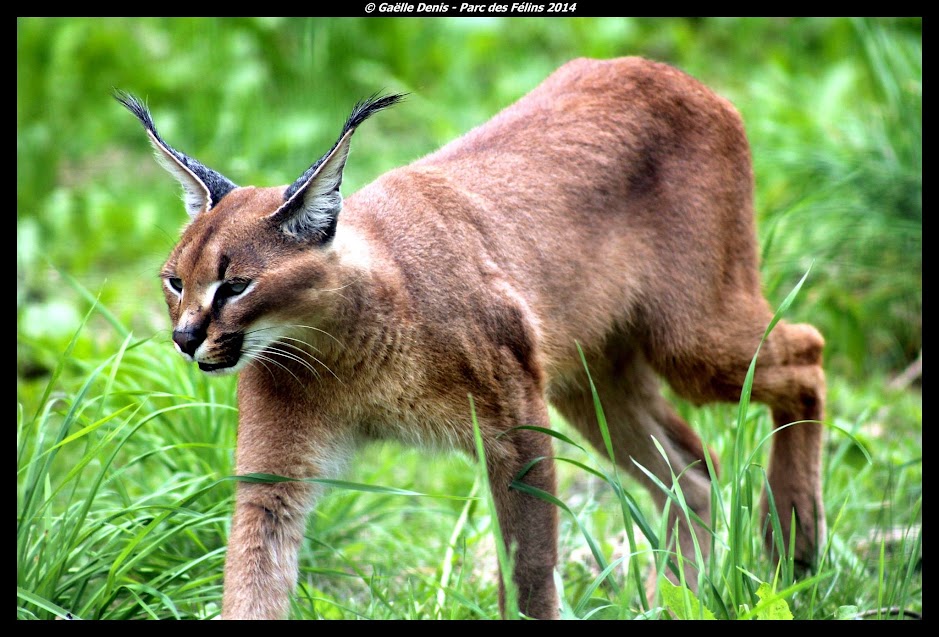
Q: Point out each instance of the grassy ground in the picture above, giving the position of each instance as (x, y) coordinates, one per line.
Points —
(123, 452)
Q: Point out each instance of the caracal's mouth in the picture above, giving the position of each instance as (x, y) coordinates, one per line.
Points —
(218, 367)
(224, 356)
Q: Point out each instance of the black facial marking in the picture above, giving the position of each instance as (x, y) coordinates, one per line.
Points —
(217, 302)
(223, 266)
(203, 238)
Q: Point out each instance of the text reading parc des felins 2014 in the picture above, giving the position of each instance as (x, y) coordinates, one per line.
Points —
(466, 7)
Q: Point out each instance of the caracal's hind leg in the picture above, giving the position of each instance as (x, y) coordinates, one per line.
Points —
(790, 380)
(636, 413)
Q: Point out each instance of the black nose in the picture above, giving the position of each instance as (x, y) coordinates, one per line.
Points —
(189, 340)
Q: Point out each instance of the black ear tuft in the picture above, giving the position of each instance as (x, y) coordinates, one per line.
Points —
(312, 203)
(362, 110)
(367, 107)
(136, 107)
(202, 186)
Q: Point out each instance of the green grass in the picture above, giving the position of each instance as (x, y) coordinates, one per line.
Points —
(124, 453)
(124, 503)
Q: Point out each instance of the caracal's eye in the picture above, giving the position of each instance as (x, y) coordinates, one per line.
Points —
(176, 283)
(232, 288)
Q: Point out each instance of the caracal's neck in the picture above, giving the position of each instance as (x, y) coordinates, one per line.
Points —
(364, 296)
(354, 254)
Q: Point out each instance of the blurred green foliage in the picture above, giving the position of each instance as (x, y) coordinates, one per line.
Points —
(833, 108)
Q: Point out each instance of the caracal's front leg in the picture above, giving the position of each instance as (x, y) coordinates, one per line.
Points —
(270, 518)
(261, 567)
(528, 523)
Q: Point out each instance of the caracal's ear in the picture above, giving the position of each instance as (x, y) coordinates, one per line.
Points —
(202, 187)
(313, 202)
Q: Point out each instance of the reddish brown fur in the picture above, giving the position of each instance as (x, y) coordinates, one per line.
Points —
(611, 206)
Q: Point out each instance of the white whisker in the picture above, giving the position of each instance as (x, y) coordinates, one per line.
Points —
(255, 357)
(258, 355)
(308, 327)
(290, 345)
(341, 287)
(299, 340)
(290, 356)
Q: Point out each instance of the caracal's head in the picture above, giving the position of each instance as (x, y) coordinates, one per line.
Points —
(251, 261)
